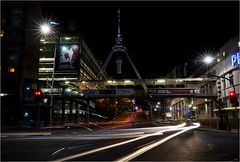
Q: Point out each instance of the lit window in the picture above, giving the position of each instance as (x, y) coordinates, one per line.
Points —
(11, 69)
(67, 38)
(223, 53)
(2, 33)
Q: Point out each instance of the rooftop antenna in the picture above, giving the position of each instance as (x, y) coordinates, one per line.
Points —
(119, 38)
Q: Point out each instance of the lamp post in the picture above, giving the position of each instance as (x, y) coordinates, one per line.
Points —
(46, 30)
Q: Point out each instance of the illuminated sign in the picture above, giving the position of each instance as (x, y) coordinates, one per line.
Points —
(172, 91)
(116, 92)
(67, 57)
(235, 59)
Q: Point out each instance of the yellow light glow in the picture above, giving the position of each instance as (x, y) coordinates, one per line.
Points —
(227, 108)
(127, 81)
(11, 70)
(2, 33)
(161, 81)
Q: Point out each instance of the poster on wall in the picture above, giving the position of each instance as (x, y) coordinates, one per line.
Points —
(67, 57)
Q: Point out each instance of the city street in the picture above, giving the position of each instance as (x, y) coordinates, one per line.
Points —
(120, 81)
(121, 144)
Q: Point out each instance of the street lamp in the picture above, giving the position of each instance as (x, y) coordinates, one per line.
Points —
(208, 59)
(46, 30)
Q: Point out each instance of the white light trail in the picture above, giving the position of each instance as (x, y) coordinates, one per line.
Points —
(117, 144)
(149, 147)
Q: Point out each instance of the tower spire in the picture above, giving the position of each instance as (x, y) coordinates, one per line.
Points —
(119, 38)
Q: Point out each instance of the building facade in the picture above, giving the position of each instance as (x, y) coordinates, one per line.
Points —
(74, 65)
(226, 72)
(19, 59)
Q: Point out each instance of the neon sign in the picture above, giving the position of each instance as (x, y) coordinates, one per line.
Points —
(235, 59)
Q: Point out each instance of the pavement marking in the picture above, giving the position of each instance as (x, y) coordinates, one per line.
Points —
(57, 151)
(114, 145)
(149, 147)
(66, 148)
(149, 143)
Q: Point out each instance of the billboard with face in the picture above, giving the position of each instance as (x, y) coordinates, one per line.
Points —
(67, 57)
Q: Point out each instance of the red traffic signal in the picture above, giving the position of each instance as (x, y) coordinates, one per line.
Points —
(232, 97)
(232, 94)
(37, 93)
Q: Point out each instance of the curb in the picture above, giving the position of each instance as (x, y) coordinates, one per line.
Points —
(26, 134)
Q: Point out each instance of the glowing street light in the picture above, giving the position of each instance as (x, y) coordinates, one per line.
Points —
(208, 59)
(45, 29)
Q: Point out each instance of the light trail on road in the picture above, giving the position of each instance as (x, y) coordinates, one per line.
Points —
(169, 128)
(149, 147)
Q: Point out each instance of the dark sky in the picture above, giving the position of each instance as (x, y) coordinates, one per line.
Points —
(158, 35)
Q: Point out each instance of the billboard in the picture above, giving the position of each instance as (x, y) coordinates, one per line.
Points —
(67, 57)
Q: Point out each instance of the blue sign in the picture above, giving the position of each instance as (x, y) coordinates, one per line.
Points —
(235, 59)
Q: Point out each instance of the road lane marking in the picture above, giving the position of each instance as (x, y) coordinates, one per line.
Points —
(114, 145)
(66, 148)
(149, 147)
(146, 144)
(57, 151)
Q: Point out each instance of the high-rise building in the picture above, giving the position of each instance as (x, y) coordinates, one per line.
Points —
(74, 65)
(74, 60)
(19, 58)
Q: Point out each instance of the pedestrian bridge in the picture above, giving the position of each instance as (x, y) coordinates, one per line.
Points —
(160, 88)
(119, 88)
(148, 82)
(152, 92)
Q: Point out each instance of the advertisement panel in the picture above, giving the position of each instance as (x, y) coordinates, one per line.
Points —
(175, 91)
(67, 57)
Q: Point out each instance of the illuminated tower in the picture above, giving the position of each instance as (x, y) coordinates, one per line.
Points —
(117, 49)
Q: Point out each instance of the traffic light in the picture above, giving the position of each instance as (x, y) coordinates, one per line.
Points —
(38, 95)
(233, 97)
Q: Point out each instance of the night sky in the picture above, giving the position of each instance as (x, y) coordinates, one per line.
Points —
(157, 35)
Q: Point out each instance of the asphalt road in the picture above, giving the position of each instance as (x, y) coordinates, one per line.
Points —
(118, 144)
(196, 146)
